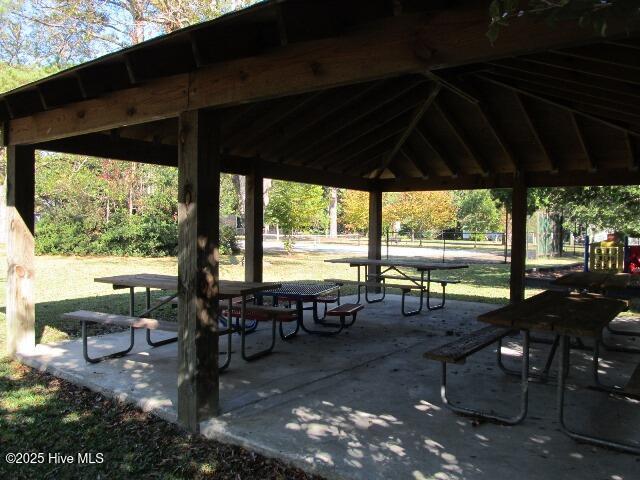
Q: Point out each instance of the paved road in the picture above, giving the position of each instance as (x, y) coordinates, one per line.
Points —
(467, 255)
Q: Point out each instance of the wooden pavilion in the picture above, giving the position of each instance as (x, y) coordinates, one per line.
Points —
(375, 95)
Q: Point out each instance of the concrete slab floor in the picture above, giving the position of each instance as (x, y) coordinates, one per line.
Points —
(366, 404)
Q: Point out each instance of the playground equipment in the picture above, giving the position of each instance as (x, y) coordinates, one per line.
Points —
(611, 255)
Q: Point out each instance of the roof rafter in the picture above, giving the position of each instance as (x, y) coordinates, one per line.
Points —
(463, 139)
(583, 143)
(444, 158)
(535, 132)
(416, 117)
(561, 105)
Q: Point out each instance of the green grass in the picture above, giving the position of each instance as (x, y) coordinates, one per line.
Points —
(39, 413)
(64, 284)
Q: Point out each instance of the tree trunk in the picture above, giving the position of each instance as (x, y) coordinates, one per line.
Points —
(333, 212)
(557, 234)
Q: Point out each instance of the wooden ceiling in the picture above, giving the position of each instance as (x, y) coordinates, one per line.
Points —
(562, 116)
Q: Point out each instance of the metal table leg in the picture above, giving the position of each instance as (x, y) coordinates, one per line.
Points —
(294, 332)
(539, 377)
(581, 437)
(524, 397)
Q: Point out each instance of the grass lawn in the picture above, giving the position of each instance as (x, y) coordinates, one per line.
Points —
(39, 413)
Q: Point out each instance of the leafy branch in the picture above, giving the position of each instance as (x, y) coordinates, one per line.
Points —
(595, 13)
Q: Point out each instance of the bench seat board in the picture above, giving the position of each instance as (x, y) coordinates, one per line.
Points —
(458, 350)
(345, 309)
(122, 320)
(376, 285)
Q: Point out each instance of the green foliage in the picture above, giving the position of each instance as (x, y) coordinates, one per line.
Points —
(478, 211)
(296, 207)
(228, 240)
(594, 13)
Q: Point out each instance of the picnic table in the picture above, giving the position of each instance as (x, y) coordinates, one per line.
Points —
(617, 285)
(622, 285)
(566, 315)
(391, 269)
(228, 289)
(300, 293)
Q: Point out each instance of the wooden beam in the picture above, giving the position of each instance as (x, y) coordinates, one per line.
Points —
(583, 143)
(418, 113)
(198, 258)
(441, 78)
(106, 146)
(196, 51)
(561, 105)
(375, 229)
(535, 133)
(618, 106)
(608, 72)
(260, 127)
(19, 220)
(518, 238)
(443, 183)
(566, 178)
(387, 48)
(420, 166)
(339, 99)
(253, 227)
(568, 78)
(437, 149)
(275, 171)
(323, 132)
(379, 119)
(464, 140)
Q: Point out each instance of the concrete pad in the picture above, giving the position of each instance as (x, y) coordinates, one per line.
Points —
(365, 404)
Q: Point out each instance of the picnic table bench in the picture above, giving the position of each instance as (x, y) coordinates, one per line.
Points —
(228, 290)
(566, 315)
(390, 269)
(458, 350)
(86, 317)
(616, 285)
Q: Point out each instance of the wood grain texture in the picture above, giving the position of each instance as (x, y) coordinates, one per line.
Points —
(254, 226)
(558, 312)
(20, 249)
(458, 350)
(518, 238)
(198, 278)
(227, 288)
(121, 320)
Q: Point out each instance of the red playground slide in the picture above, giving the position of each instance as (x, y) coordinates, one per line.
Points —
(634, 260)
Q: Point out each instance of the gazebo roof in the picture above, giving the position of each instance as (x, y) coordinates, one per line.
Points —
(373, 95)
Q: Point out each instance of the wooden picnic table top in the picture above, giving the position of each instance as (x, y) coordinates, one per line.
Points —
(418, 265)
(565, 313)
(228, 288)
(599, 281)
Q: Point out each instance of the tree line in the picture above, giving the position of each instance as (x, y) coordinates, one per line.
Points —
(86, 205)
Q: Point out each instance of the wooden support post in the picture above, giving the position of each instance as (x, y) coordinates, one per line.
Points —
(198, 257)
(518, 238)
(375, 228)
(253, 227)
(20, 249)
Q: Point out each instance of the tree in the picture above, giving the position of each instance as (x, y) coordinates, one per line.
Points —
(478, 212)
(354, 214)
(296, 207)
(333, 212)
(594, 13)
(66, 32)
(420, 212)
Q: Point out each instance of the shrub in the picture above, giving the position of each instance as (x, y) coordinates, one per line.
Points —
(228, 240)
